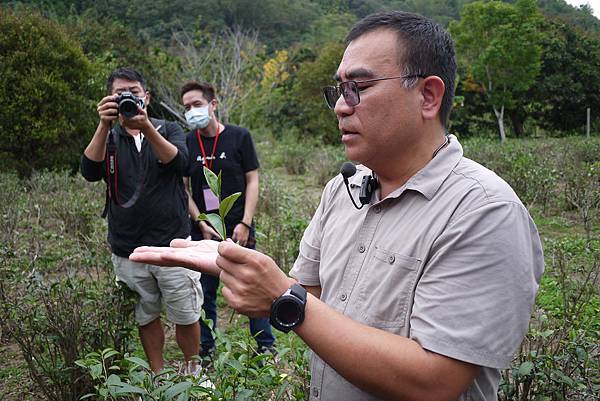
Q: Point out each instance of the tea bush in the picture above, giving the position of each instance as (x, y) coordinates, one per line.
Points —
(282, 215)
(540, 170)
(58, 297)
(558, 359)
(237, 373)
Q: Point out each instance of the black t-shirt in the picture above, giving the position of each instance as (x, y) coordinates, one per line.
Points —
(234, 156)
(160, 213)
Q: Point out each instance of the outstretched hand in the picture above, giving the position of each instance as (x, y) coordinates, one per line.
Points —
(195, 255)
(251, 280)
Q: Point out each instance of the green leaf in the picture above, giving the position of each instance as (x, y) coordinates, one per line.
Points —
(235, 364)
(244, 394)
(213, 182)
(138, 361)
(227, 203)
(183, 397)
(177, 389)
(125, 388)
(107, 353)
(525, 368)
(219, 182)
(96, 370)
(81, 363)
(215, 221)
(113, 380)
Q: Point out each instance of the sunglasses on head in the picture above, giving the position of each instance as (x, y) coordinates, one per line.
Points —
(350, 90)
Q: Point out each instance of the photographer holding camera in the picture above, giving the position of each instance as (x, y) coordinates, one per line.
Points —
(143, 161)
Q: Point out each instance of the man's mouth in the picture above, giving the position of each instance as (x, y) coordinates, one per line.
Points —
(347, 134)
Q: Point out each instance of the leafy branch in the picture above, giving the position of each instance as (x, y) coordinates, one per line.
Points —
(217, 221)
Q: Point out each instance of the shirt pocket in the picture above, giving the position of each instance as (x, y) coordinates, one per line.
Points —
(389, 279)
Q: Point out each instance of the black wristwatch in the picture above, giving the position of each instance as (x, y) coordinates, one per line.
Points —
(287, 311)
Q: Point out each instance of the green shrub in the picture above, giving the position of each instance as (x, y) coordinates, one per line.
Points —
(58, 297)
(283, 214)
(237, 373)
(582, 192)
(46, 86)
(558, 359)
(543, 173)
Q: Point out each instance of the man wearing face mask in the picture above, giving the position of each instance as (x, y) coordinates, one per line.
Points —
(143, 165)
(227, 149)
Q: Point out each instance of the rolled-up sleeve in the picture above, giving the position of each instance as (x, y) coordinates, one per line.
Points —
(176, 136)
(91, 170)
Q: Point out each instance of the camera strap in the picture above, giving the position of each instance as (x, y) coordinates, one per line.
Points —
(112, 172)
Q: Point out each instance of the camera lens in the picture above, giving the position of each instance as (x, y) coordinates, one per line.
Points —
(128, 108)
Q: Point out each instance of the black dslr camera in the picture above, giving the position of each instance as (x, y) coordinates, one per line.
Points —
(128, 104)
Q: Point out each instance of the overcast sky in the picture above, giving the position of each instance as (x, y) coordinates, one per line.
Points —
(594, 3)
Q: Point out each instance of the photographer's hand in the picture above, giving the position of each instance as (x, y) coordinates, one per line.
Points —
(139, 122)
(108, 110)
(163, 149)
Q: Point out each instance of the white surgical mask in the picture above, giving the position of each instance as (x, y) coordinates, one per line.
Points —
(198, 117)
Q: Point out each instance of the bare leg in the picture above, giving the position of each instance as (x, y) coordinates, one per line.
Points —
(153, 341)
(188, 339)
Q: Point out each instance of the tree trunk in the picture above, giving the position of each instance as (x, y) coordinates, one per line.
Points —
(500, 117)
(517, 122)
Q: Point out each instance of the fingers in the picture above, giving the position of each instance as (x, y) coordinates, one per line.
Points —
(108, 108)
(150, 256)
(233, 252)
(200, 258)
(181, 243)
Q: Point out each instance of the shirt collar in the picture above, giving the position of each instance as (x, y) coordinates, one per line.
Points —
(429, 179)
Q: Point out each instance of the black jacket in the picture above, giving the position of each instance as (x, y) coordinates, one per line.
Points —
(160, 214)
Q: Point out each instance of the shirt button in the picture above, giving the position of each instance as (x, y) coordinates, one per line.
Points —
(391, 259)
(315, 391)
(377, 209)
(361, 248)
(343, 297)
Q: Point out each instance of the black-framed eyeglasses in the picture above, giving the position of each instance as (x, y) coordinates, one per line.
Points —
(350, 90)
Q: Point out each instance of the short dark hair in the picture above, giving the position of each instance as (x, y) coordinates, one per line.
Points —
(208, 91)
(127, 73)
(428, 48)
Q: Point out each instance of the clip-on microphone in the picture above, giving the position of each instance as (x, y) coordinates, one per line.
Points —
(367, 186)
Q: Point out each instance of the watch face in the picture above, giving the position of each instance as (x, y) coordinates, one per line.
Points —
(288, 313)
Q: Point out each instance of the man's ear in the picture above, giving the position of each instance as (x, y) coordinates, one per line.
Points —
(148, 97)
(433, 93)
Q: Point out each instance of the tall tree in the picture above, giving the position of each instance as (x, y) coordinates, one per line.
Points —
(498, 46)
(569, 82)
(225, 60)
(46, 92)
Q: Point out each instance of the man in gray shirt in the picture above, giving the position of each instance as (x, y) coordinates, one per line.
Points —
(425, 293)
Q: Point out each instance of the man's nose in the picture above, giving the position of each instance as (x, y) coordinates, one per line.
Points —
(341, 107)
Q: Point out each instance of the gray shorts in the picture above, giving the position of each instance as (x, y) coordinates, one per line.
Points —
(178, 287)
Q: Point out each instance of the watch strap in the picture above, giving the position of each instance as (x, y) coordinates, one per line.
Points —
(299, 292)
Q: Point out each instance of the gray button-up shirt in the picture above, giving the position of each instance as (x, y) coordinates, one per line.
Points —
(451, 259)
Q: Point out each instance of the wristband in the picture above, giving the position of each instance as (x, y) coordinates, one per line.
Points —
(244, 224)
